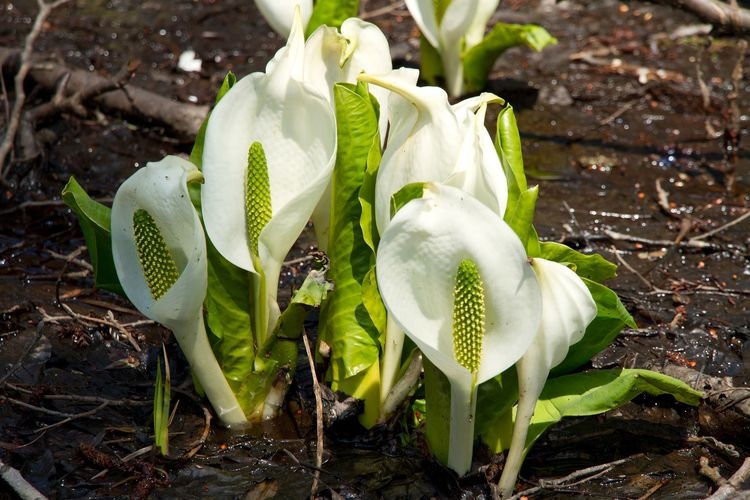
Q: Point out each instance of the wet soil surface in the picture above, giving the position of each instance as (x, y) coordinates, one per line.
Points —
(631, 157)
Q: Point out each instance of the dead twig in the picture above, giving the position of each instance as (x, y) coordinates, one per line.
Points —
(24, 354)
(318, 416)
(720, 228)
(572, 479)
(731, 488)
(728, 16)
(20, 99)
(17, 483)
(82, 318)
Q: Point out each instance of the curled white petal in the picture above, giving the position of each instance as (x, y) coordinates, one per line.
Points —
(482, 15)
(423, 12)
(567, 309)
(160, 188)
(280, 13)
(416, 265)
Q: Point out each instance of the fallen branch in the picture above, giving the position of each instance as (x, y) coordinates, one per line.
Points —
(18, 484)
(728, 16)
(731, 488)
(24, 67)
(130, 100)
(318, 417)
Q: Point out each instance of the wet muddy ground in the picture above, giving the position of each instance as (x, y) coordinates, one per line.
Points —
(634, 161)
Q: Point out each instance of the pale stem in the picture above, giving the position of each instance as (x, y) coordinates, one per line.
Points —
(529, 387)
(194, 343)
(454, 71)
(259, 300)
(463, 409)
(394, 345)
(402, 388)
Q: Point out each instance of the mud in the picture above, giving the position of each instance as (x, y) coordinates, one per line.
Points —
(607, 113)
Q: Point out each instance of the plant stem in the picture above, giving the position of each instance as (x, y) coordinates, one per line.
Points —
(194, 344)
(531, 380)
(394, 345)
(461, 439)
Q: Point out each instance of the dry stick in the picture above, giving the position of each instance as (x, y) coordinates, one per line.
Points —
(584, 475)
(15, 117)
(635, 271)
(130, 100)
(15, 480)
(731, 488)
(74, 417)
(614, 235)
(382, 10)
(82, 318)
(24, 354)
(318, 415)
(720, 228)
(715, 12)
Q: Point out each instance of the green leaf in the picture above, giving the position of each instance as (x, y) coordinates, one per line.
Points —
(584, 394)
(437, 392)
(94, 219)
(430, 64)
(478, 60)
(367, 191)
(344, 321)
(228, 319)
(592, 267)
(411, 191)
(611, 317)
(598, 391)
(331, 13)
(508, 146)
(521, 216)
(495, 400)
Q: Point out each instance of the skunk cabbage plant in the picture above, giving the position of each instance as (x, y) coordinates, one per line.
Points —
(269, 150)
(456, 278)
(452, 27)
(159, 252)
(454, 45)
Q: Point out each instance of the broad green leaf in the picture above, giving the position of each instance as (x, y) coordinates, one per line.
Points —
(228, 318)
(94, 219)
(344, 322)
(590, 393)
(331, 13)
(367, 191)
(437, 390)
(478, 60)
(495, 401)
(521, 216)
(611, 317)
(508, 145)
(411, 191)
(373, 303)
(593, 267)
(598, 391)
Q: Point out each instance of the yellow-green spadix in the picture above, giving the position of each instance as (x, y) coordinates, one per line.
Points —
(159, 252)
(456, 278)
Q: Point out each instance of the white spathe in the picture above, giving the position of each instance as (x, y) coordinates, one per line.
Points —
(280, 13)
(461, 28)
(161, 189)
(416, 267)
(296, 127)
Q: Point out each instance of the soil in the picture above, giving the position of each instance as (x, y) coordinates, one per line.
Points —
(633, 160)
